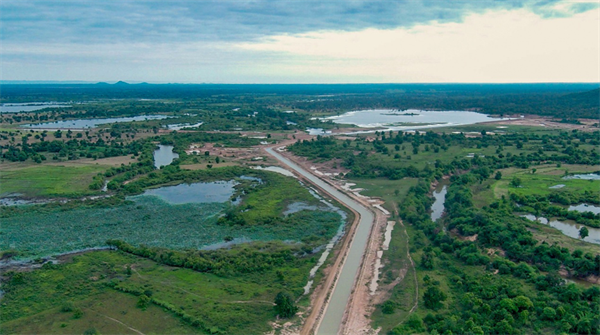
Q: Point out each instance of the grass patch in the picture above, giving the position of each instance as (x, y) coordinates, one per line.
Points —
(49, 180)
(391, 191)
(402, 295)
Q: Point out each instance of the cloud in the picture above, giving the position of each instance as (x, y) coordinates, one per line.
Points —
(239, 41)
(496, 46)
(88, 22)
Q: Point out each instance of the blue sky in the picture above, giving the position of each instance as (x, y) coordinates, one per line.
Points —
(267, 41)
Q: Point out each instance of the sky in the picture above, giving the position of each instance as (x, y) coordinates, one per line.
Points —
(301, 41)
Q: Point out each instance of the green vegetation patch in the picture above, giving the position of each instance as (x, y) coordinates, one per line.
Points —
(95, 289)
(48, 180)
(148, 220)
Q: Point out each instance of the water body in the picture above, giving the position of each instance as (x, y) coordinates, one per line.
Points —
(180, 126)
(437, 209)
(90, 123)
(334, 312)
(585, 208)
(569, 229)
(14, 202)
(317, 131)
(224, 244)
(393, 120)
(17, 199)
(589, 176)
(164, 155)
(300, 206)
(29, 107)
(275, 169)
(219, 191)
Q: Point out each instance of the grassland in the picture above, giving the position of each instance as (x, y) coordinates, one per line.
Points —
(48, 180)
(51, 299)
(546, 176)
(390, 191)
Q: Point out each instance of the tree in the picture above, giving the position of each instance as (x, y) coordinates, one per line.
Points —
(515, 182)
(434, 297)
(583, 232)
(498, 175)
(284, 305)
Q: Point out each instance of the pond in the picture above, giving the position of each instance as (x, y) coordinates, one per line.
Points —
(164, 155)
(567, 228)
(317, 131)
(90, 123)
(437, 209)
(218, 191)
(589, 176)
(585, 208)
(180, 126)
(29, 106)
(409, 119)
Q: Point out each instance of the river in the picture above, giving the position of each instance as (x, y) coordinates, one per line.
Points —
(334, 312)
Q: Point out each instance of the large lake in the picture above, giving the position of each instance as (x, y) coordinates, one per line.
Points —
(90, 123)
(409, 119)
(29, 106)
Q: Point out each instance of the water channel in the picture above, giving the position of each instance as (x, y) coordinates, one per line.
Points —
(582, 208)
(164, 155)
(567, 228)
(334, 311)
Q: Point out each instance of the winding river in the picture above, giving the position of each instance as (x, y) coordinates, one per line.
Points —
(334, 312)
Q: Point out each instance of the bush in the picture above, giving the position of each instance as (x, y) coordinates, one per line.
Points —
(285, 305)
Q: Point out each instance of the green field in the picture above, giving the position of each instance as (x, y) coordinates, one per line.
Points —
(546, 176)
(48, 180)
(51, 299)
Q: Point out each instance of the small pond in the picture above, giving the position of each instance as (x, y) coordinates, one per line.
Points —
(218, 191)
(90, 123)
(317, 131)
(437, 209)
(180, 126)
(569, 229)
(588, 176)
(164, 155)
(585, 208)
(409, 119)
(29, 106)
